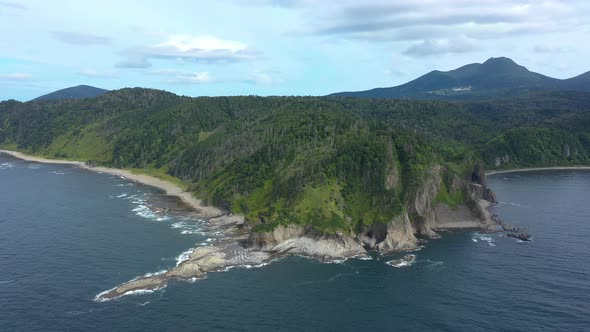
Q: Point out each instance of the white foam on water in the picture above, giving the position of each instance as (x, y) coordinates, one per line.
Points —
(99, 296)
(398, 264)
(139, 208)
(122, 195)
(245, 266)
(192, 232)
(57, 173)
(179, 224)
(6, 165)
(483, 237)
(143, 291)
(510, 203)
(147, 214)
(143, 304)
(151, 274)
(184, 256)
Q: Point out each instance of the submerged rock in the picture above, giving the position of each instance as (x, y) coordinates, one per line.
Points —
(520, 236)
(407, 260)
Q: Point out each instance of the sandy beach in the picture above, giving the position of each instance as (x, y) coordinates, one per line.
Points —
(557, 168)
(169, 188)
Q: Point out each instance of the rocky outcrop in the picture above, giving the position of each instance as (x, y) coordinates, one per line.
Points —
(400, 236)
(429, 215)
(304, 240)
(520, 236)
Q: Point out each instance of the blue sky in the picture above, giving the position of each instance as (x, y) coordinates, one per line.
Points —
(277, 47)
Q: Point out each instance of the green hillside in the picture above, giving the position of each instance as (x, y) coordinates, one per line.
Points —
(334, 163)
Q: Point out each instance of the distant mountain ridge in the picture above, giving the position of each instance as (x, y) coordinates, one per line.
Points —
(497, 77)
(76, 92)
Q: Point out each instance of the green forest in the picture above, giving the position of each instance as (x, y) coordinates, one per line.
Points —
(323, 161)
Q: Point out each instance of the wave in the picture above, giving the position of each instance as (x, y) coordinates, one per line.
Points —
(6, 165)
(394, 263)
(6, 282)
(151, 274)
(77, 313)
(57, 173)
(509, 203)
(122, 195)
(184, 256)
(483, 237)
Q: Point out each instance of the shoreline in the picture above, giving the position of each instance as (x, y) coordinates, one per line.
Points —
(169, 188)
(229, 251)
(533, 169)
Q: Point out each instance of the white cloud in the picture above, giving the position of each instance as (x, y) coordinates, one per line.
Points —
(441, 46)
(196, 77)
(186, 43)
(177, 76)
(79, 38)
(263, 78)
(134, 61)
(199, 49)
(16, 77)
(91, 73)
(430, 21)
(550, 49)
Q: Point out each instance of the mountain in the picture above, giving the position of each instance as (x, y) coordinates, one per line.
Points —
(76, 92)
(497, 77)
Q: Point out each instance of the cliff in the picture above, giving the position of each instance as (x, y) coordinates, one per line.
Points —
(444, 201)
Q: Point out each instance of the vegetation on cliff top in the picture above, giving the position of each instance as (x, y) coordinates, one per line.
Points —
(334, 163)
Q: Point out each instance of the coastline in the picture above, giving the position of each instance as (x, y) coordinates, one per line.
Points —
(533, 169)
(230, 251)
(169, 188)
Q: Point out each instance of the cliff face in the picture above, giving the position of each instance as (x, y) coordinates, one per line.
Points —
(442, 201)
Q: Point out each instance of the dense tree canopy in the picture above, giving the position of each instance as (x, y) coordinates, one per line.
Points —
(332, 162)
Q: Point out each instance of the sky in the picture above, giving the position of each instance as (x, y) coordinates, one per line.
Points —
(277, 47)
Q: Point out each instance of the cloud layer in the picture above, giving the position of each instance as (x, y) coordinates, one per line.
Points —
(78, 38)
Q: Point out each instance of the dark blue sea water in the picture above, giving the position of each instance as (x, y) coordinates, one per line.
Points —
(67, 234)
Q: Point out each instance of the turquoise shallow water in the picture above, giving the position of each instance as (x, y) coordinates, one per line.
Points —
(67, 234)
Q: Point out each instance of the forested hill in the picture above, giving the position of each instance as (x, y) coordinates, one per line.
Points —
(495, 78)
(332, 162)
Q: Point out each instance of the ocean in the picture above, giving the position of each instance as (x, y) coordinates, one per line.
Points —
(67, 234)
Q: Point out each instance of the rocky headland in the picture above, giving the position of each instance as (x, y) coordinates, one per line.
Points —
(424, 218)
